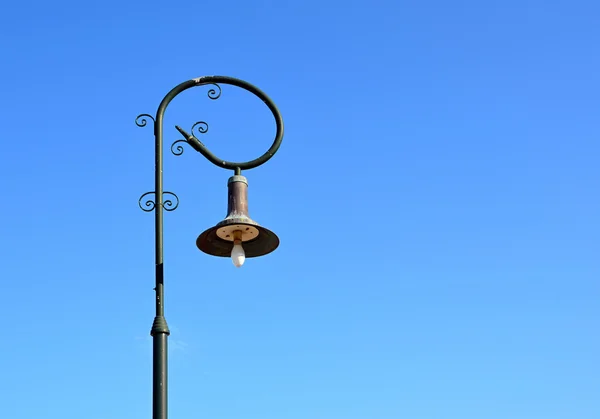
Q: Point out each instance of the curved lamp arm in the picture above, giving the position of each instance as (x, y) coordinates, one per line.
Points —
(197, 144)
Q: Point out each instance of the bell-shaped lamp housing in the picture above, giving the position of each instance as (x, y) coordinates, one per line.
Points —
(255, 239)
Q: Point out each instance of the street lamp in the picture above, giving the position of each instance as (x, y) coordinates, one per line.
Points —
(237, 236)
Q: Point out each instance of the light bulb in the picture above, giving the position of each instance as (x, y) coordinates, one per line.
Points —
(238, 256)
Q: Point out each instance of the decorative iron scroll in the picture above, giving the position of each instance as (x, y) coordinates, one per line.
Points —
(168, 205)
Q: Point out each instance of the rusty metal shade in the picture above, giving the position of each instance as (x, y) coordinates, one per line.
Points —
(210, 242)
(256, 240)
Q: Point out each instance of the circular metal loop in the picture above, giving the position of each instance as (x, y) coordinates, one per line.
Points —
(214, 94)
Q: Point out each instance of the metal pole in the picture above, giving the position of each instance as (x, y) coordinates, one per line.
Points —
(160, 330)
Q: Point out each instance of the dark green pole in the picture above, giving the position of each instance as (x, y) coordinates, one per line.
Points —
(160, 330)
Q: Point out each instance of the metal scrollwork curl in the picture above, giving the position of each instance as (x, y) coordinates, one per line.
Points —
(141, 120)
(202, 127)
(168, 204)
(150, 205)
(178, 151)
(214, 94)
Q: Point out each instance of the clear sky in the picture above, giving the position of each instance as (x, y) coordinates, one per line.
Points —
(436, 196)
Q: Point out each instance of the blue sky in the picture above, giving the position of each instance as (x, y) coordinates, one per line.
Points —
(436, 197)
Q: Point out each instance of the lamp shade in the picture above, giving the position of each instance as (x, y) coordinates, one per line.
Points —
(219, 240)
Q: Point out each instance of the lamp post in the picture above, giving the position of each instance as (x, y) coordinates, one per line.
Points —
(237, 236)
